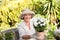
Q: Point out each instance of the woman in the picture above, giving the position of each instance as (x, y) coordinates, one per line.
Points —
(25, 28)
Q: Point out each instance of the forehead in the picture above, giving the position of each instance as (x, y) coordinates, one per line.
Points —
(27, 14)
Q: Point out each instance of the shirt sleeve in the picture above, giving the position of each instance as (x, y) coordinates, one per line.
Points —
(21, 31)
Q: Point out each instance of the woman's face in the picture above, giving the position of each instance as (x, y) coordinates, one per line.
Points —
(27, 17)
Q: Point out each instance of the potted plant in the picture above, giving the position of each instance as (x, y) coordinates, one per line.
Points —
(40, 25)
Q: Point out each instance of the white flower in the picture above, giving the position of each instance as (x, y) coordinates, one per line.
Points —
(35, 24)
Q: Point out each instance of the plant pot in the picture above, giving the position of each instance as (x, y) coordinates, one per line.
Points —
(41, 35)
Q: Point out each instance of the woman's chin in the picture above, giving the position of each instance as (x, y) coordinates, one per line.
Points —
(27, 21)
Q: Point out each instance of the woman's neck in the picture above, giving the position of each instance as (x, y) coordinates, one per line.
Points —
(27, 21)
(28, 24)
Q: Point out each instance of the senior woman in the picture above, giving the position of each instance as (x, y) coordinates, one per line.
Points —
(25, 27)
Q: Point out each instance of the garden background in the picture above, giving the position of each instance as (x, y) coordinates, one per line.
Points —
(10, 11)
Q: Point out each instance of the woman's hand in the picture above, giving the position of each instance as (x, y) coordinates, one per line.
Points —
(26, 37)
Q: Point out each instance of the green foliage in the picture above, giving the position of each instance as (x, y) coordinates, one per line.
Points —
(10, 11)
(50, 33)
(40, 29)
(9, 36)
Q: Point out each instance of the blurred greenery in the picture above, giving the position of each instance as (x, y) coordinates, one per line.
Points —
(9, 36)
(10, 11)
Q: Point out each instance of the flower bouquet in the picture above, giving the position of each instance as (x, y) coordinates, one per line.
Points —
(39, 24)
